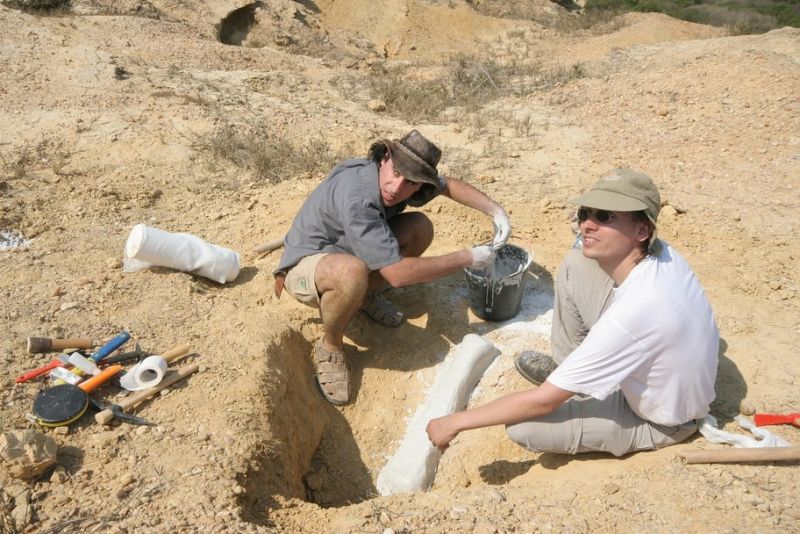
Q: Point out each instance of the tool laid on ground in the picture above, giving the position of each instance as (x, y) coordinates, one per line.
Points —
(764, 419)
(46, 344)
(59, 361)
(128, 403)
(269, 246)
(128, 418)
(758, 454)
(61, 405)
(136, 354)
(112, 345)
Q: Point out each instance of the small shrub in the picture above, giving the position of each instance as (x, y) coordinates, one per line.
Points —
(269, 158)
(468, 83)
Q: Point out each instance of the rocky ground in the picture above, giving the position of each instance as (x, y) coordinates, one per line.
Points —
(132, 112)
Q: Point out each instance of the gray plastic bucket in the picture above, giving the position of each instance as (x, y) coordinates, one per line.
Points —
(495, 293)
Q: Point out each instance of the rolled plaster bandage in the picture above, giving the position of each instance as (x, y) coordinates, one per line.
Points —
(413, 466)
(147, 246)
(144, 375)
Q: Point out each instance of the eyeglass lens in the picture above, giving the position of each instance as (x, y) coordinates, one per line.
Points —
(601, 216)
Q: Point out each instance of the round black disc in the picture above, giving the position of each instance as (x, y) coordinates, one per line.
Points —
(60, 404)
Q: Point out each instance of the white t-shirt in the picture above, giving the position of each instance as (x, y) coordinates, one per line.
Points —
(658, 342)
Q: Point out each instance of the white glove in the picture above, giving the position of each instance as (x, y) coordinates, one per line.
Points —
(502, 230)
(482, 256)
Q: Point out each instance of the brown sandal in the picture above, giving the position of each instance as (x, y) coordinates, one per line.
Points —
(332, 376)
(382, 311)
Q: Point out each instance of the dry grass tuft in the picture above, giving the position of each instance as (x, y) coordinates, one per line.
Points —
(469, 84)
(267, 157)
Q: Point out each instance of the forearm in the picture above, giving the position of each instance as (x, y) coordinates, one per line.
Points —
(414, 270)
(507, 410)
(465, 194)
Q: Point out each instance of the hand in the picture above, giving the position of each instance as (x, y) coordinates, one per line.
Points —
(439, 433)
(482, 256)
(502, 230)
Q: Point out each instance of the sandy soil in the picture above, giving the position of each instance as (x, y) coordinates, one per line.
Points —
(105, 109)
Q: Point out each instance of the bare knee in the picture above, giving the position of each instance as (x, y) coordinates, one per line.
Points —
(342, 273)
(414, 233)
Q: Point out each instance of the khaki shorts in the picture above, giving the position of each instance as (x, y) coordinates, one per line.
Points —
(300, 283)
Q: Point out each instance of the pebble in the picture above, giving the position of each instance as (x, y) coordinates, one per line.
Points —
(495, 495)
(610, 488)
(376, 105)
(746, 407)
(457, 511)
(68, 306)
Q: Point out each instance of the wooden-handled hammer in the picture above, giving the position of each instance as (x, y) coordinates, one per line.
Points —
(38, 345)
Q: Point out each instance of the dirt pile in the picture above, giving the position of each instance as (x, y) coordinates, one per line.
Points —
(135, 112)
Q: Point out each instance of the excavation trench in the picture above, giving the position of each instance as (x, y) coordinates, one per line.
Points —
(305, 448)
(310, 450)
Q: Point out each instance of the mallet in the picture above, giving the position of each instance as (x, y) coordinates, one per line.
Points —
(38, 345)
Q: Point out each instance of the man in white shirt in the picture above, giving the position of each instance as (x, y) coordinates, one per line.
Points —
(634, 338)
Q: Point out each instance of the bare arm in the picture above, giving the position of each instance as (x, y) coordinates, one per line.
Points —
(413, 270)
(507, 410)
(465, 194)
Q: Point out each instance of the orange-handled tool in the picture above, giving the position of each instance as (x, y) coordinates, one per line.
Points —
(763, 419)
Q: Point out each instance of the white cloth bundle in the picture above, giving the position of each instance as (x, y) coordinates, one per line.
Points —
(763, 438)
(147, 246)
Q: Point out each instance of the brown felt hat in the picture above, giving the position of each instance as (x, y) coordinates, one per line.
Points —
(415, 157)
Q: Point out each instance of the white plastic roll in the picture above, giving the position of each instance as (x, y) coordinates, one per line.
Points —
(147, 246)
(146, 374)
(413, 466)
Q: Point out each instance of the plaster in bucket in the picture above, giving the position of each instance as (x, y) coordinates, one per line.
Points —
(495, 293)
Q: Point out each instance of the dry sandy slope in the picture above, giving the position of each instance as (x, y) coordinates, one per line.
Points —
(242, 444)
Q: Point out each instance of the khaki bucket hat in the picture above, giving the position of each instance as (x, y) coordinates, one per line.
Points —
(625, 190)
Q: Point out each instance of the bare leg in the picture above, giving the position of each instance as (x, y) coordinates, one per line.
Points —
(342, 282)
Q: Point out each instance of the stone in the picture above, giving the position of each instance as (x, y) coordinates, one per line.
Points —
(746, 407)
(376, 105)
(26, 453)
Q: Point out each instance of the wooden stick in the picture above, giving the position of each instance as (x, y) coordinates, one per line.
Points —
(759, 454)
(269, 246)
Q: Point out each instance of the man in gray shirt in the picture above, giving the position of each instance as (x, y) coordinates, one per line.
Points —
(352, 237)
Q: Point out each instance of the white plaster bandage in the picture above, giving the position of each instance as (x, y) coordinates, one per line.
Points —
(413, 466)
(148, 246)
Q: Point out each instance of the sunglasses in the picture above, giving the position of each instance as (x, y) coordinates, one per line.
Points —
(599, 216)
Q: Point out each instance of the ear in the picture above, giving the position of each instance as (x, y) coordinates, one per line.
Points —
(643, 231)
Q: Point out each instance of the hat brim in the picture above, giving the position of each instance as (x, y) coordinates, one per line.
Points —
(611, 201)
(608, 200)
(412, 167)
